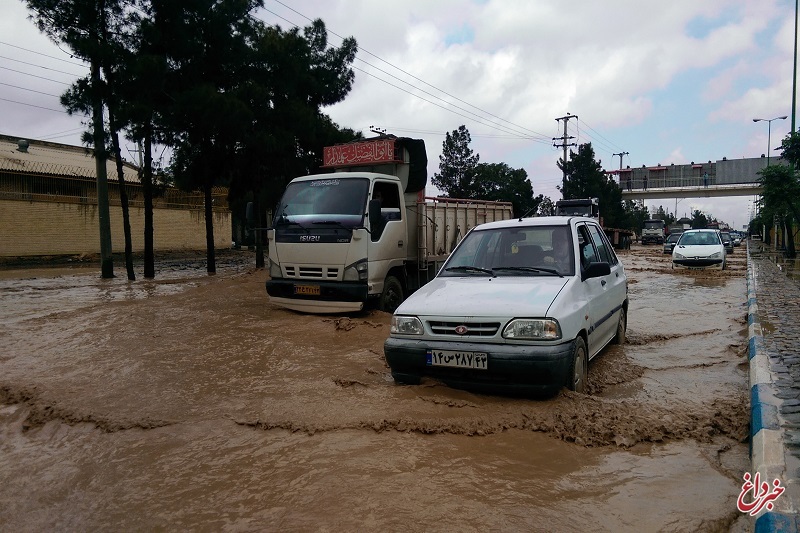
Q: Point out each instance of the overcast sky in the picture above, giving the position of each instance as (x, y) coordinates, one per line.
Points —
(667, 82)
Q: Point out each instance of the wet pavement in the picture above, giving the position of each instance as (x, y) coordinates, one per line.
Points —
(775, 293)
(190, 402)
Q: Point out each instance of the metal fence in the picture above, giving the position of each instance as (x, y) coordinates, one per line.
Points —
(36, 187)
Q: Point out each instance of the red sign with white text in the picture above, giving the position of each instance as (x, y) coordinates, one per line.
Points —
(360, 153)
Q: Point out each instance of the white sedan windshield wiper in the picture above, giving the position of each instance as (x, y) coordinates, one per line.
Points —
(467, 268)
(532, 269)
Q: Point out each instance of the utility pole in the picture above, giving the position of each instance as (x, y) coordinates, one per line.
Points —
(564, 144)
(620, 157)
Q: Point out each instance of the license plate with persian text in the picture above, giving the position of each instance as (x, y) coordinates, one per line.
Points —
(475, 360)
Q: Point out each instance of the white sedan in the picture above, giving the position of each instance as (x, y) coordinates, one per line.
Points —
(520, 306)
(698, 249)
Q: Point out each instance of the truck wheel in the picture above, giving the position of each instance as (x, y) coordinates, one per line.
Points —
(579, 370)
(622, 326)
(392, 295)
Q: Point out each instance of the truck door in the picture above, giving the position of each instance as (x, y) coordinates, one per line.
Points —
(388, 239)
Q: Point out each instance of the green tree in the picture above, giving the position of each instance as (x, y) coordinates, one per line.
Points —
(780, 199)
(585, 179)
(500, 182)
(84, 27)
(545, 206)
(288, 131)
(635, 215)
(457, 165)
(699, 219)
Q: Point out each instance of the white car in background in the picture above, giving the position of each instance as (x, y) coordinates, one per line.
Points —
(699, 249)
(520, 306)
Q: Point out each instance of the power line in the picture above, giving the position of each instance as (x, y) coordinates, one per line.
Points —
(46, 55)
(34, 75)
(441, 106)
(32, 105)
(29, 90)
(39, 66)
(543, 137)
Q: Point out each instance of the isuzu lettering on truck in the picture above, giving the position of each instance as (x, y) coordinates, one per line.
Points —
(366, 231)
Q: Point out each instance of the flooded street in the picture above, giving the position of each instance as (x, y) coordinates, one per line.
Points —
(190, 402)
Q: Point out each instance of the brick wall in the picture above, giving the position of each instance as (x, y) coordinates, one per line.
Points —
(50, 228)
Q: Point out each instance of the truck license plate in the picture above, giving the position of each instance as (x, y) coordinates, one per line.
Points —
(476, 360)
(307, 289)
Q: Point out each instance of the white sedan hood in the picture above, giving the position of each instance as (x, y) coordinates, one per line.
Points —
(698, 250)
(484, 296)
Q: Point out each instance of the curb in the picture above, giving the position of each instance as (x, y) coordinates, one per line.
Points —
(766, 437)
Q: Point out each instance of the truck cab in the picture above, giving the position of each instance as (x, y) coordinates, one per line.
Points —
(334, 239)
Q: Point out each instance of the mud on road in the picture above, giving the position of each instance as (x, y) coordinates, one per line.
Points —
(190, 402)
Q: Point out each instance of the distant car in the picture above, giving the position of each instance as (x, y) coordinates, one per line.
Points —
(669, 244)
(699, 248)
(737, 240)
(521, 306)
(727, 240)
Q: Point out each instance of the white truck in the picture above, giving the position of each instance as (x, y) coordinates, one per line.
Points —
(582, 207)
(365, 232)
(653, 231)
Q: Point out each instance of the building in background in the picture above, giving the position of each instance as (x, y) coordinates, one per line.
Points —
(48, 205)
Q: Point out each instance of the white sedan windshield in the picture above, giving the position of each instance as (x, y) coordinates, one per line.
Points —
(533, 250)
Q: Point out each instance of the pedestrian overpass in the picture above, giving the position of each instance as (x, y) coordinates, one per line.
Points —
(726, 177)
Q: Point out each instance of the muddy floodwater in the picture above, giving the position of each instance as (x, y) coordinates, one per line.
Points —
(189, 402)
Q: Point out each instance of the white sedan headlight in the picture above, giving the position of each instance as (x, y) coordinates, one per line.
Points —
(406, 325)
(715, 255)
(532, 329)
(679, 256)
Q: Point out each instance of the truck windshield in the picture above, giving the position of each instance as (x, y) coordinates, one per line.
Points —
(333, 200)
(654, 224)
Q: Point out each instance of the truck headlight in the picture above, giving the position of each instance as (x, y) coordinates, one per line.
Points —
(532, 329)
(274, 270)
(356, 271)
(406, 325)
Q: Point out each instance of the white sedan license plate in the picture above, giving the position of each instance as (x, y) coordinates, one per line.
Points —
(476, 360)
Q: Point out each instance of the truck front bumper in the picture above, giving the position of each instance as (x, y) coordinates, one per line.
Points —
(511, 368)
(318, 296)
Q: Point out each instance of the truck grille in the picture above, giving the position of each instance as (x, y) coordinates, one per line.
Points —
(311, 272)
(474, 329)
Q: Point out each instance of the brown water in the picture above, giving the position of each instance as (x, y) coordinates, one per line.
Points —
(190, 402)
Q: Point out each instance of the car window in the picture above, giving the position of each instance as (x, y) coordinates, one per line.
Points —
(599, 243)
(586, 249)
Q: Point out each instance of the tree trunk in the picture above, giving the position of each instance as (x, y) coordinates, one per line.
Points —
(147, 191)
(103, 216)
(123, 197)
(209, 210)
(259, 231)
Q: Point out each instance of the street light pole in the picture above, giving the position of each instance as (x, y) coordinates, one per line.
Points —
(769, 130)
